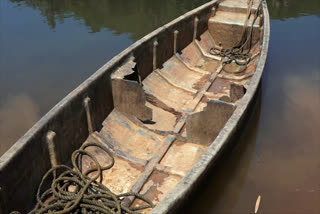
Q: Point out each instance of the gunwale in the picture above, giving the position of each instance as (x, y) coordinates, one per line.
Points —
(206, 160)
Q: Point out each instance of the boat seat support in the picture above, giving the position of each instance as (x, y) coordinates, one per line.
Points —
(236, 92)
(52, 151)
(128, 94)
(86, 104)
(155, 45)
(203, 127)
(195, 28)
(175, 35)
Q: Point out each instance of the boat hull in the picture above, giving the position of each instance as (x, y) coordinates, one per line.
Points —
(22, 167)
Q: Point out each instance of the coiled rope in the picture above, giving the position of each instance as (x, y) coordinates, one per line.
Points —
(73, 191)
(237, 54)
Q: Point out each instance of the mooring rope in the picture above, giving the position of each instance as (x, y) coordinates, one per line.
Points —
(73, 191)
(237, 53)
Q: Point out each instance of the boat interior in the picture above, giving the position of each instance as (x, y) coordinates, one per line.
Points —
(164, 121)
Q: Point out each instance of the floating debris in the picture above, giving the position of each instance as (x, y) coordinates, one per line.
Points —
(257, 204)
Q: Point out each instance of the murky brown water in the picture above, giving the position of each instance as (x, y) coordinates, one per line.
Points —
(50, 47)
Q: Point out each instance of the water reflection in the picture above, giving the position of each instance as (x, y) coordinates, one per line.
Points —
(281, 9)
(137, 17)
(17, 115)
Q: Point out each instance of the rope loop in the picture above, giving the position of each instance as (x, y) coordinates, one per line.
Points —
(74, 191)
(237, 54)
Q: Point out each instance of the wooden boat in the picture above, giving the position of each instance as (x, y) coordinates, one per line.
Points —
(165, 107)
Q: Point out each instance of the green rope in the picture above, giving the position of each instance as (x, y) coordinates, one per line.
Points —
(89, 194)
(237, 54)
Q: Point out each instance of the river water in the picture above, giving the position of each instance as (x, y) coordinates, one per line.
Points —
(49, 47)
